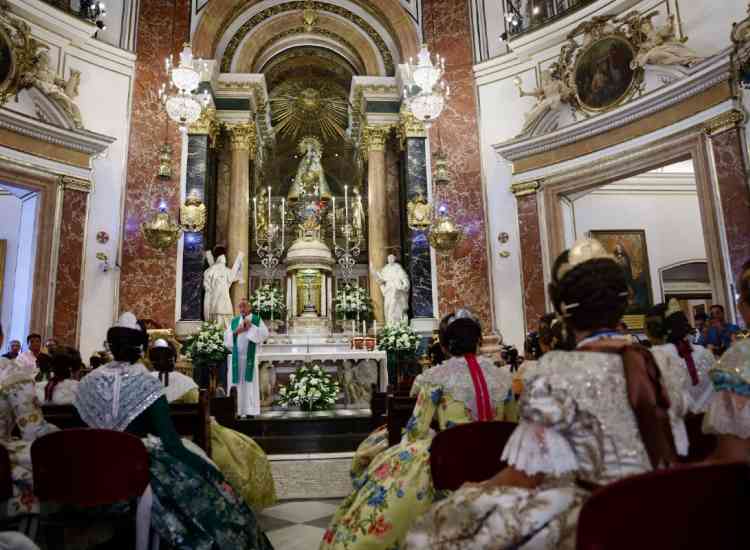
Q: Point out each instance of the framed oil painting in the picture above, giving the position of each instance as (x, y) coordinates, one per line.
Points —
(628, 246)
(603, 76)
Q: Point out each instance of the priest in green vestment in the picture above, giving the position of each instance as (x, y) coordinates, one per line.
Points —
(243, 337)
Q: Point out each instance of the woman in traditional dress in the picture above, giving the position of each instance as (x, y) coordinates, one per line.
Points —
(194, 508)
(62, 388)
(728, 414)
(397, 486)
(19, 406)
(588, 417)
(669, 330)
(238, 457)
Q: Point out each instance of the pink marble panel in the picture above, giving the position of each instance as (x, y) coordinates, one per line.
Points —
(69, 267)
(463, 279)
(531, 259)
(735, 196)
(148, 276)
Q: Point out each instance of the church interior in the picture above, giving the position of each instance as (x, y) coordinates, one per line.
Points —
(374, 274)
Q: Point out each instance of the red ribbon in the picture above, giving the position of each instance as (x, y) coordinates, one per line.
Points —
(482, 394)
(686, 352)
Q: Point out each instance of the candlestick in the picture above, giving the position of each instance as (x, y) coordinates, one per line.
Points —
(353, 329)
(268, 221)
(364, 327)
(283, 215)
(375, 328)
(333, 203)
(346, 208)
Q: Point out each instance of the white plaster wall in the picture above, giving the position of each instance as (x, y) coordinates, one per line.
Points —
(105, 104)
(10, 214)
(672, 223)
(707, 23)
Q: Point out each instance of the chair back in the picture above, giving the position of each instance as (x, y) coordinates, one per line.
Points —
(194, 420)
(6, 482)
(400, 409)
(701, 444)
(468, 452)
(687, 508)
(88, 467)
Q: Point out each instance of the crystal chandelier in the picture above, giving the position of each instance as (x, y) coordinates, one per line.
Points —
(426, 96)
(183, 106)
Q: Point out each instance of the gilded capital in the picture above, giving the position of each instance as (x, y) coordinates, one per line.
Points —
(75, 184)
(724, 121)
(409, 126)
(374, 137)
(525, 188)
(242, 137)
(207, 125)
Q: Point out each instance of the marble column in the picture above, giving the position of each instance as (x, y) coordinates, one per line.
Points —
(242, 144)
(731, 173)
(417, 258)
(531, 259)
(377, 224)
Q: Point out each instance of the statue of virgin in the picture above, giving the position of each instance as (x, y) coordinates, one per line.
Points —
(310, 179)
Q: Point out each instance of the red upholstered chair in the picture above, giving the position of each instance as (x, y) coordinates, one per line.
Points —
(6, 482)
(84, 467)
(685, 508)
(468, 452)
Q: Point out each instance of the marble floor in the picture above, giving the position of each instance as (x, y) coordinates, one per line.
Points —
(297, 524)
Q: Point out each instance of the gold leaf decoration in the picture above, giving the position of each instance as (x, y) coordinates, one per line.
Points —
(300, 107)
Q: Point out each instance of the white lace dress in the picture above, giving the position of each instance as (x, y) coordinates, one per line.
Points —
(729, 410)
(698, 394)
(575, 422)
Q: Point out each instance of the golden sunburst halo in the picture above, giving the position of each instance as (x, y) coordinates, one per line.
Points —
(316, 107)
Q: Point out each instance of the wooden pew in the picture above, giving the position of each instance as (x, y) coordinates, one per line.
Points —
(190, 420)
(400, 409)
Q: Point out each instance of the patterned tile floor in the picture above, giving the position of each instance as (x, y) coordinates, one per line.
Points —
(297, 524)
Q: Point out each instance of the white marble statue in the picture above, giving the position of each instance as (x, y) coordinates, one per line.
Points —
(217, 280)
(550, 94)
(662, 47)
(394, 284)
(62, 92)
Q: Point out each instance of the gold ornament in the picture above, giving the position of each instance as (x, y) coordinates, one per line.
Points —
(165, 162)
(583, 251)
(20, 55)
(193, 213)
(310, 106)
(309, 16)
(442, 175)
(419, 213)
(161, 232)
(445, 235)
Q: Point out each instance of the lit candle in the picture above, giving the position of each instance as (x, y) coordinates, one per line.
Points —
(268, 221)
(364, 327)
(255, 218)
(283, 215)
(334, 220)
(375, 328)
(346, 205)
(353, 329)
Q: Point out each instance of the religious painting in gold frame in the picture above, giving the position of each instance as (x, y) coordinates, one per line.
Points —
(603, 76)
(629, 248)
(7, 66)
(3, 251)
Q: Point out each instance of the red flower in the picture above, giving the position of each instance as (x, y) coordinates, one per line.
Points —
(328, 536)
(383, 471)
(380, 527)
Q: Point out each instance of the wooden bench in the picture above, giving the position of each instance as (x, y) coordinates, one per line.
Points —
(400, 409)
(190, 420)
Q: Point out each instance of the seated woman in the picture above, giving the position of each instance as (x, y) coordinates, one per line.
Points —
(19, 406)
(194, 507)
(238, 457)
(669, 331)
(728, 414)
(62, 387)
(397, 486)
(588, 417)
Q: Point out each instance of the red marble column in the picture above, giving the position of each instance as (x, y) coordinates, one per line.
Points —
(735, 195)
(463, 278)
(69, 267)
(148, 276)
(531, 259)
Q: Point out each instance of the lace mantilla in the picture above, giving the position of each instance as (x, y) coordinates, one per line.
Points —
(112, 396)
(179, 385)
(12, 373)
(454, 378)
(700, 394)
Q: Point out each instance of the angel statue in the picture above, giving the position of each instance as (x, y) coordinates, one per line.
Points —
(217, 280)
(310, 179)
(661, 46)
(62, 92)
(549, 95)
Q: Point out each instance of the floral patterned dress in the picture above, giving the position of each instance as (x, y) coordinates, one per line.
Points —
(395, 487)
(19, 406)
(576, 423)
(239, 458)
(194, 507)
(729, 409)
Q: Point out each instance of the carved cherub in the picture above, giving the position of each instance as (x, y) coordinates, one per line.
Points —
(551, 92)
(661, 46)
(61, 91)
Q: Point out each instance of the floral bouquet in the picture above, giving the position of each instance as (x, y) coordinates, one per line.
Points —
(352, 301)
(206, 348)
(399, 337)
(310, 389)
(268, 301)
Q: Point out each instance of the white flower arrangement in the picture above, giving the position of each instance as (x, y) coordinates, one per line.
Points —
(311, 389)
(351, 300)
(206, 347)
(268, 301)
(398, 337)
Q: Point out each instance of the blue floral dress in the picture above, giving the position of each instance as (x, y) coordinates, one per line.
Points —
(395, 487)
